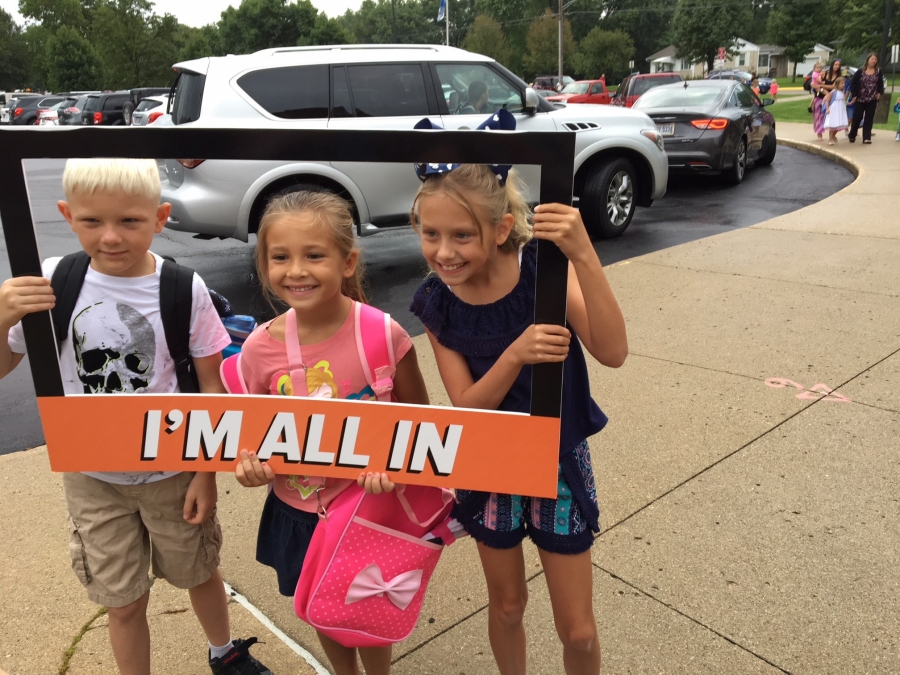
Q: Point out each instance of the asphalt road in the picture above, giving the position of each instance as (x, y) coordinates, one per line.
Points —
(694, 207)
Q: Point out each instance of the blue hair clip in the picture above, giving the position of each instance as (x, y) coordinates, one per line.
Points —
(502, 120)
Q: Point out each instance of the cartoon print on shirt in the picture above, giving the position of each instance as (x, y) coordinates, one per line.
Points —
(115, 349)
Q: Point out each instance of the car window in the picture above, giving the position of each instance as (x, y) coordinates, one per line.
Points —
(115, 102)
(745, 96)
(645, 84)
(388, 90)
(147, 104)
(341, 106)
(293, 93)
(575, 88)
(188, 97)
(463, 81)
(92, 104)
(623, 88)
(597, 88)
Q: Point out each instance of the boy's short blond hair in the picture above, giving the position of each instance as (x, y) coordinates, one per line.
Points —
(133, 176)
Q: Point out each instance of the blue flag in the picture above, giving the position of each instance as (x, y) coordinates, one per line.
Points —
(442, 10)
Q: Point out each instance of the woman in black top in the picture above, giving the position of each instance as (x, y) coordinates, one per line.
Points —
(867, 87)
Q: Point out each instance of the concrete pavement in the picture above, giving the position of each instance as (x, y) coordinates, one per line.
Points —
(748, 478)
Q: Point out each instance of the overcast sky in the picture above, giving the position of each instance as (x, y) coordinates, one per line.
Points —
(202, 12)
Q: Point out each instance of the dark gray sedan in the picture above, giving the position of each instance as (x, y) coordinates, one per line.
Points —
(712, 125)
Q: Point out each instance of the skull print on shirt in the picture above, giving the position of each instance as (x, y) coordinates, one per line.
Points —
(115, 348)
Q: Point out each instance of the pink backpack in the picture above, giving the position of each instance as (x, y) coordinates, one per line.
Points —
(371, 556)
(373, 340)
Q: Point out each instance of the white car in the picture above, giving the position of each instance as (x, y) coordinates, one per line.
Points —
(149, 110)
(620, 160)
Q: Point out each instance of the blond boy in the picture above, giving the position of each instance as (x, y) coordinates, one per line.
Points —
(113, 208)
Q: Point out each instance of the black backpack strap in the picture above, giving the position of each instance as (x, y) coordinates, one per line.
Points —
(176, 301)
(68, 278)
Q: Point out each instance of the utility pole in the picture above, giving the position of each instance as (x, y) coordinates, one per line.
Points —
(561, 41)
(883, 110)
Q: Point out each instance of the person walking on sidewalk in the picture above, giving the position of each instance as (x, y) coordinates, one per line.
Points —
(816, 105)
(478, 310)
(835, 111)
(867, 86)
(122, 524)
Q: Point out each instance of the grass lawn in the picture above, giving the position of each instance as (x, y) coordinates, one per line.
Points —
(794, 110)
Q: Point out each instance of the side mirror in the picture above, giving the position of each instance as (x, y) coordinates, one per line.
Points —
(532, 101)
(768, 101)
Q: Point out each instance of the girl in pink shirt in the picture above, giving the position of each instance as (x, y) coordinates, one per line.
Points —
(306, 257)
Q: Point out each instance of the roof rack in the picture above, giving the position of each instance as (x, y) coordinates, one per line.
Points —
(328, 48)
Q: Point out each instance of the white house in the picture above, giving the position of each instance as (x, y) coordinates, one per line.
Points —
(743, 55)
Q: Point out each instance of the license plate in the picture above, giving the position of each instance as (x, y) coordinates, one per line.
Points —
(666, 129)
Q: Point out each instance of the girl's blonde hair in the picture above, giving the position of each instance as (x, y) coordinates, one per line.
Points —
(328, 210)
(839, 84)
(476, 188)
(112, 174)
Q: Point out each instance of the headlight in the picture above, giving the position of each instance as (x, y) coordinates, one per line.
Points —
(656, 137)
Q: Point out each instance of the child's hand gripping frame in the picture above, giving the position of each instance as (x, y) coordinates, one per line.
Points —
(423, 445)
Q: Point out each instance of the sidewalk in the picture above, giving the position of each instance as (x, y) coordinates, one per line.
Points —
(748, 528)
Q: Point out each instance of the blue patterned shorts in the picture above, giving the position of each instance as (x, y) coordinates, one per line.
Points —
(554, 525)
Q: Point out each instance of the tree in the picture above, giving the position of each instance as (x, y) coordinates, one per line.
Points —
(13, 54)
(396, 21)
(486, 37)
(328, 32)
(72, 62)
(52, 14)
(263, 24)
(699, 30)
(542, 45)
(604, 51)
(795, 26)
(647, 22)
(196, 43)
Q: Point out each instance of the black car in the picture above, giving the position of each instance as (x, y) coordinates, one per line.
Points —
(105, 109)
(712, 125)
(24, 111)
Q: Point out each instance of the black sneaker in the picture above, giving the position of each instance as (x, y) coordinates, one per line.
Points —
(238, 661)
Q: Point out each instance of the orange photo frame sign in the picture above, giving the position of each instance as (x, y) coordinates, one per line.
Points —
(426, 445)
(419, 445)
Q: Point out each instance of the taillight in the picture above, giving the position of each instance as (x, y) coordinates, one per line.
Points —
(153, 117)
(715, 124)
(17, 112)
(98, 118)
(191, 163)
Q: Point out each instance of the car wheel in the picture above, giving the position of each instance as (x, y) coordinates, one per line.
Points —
(607, 202)
(735, 174)
(769, 147)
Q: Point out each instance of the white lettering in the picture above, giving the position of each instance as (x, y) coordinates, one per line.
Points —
(402, 432)
(311, 453)
(347, 455)
(441, 453)
(150, 446)
(200, 434)
(281, 439)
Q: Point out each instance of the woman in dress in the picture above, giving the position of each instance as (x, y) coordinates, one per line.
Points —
(867, 87)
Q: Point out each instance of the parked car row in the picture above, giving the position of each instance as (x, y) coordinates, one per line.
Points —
(115, 108)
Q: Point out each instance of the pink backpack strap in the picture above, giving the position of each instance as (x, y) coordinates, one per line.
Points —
(294, 354)
(376, 348)
(232, 375)
(429, 519)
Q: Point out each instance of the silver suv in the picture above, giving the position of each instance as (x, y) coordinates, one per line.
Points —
(619, 158)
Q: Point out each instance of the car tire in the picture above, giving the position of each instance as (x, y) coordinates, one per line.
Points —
(608, 200)
(770, 145)
(735, 174)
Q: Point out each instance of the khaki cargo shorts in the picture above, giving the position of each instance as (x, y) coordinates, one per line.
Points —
(118, 532)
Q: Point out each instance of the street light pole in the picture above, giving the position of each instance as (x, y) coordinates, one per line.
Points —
(883, 109)
(560, 41)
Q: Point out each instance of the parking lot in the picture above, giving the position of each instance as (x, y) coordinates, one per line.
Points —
(694, 207)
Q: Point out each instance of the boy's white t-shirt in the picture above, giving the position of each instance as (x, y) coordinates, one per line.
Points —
(121, 344)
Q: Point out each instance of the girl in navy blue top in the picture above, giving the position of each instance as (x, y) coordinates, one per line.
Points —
(478, 310)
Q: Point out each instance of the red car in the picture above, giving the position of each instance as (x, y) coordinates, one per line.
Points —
(634, 86)
(583, 91)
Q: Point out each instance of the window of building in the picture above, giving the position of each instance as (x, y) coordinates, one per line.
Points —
(742, 59)
(297, 92)
(763, 61)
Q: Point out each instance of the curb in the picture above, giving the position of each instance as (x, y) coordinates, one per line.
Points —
(833, 155)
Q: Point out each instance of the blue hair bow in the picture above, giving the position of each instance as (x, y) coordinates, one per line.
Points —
(502, 120)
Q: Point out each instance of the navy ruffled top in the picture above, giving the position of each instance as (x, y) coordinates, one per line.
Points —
(481, 333)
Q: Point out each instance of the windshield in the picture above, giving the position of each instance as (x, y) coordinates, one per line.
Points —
(679, 97)
(576, 88)
(645, 84)
(147, 104)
